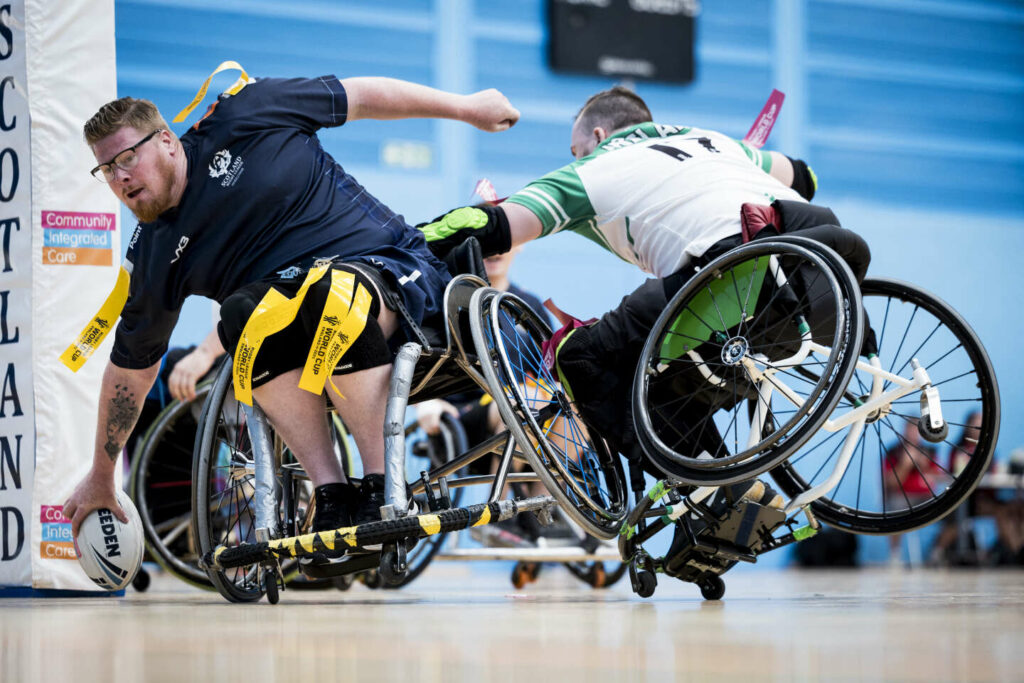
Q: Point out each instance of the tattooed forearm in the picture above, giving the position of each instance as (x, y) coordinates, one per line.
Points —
(121, 415)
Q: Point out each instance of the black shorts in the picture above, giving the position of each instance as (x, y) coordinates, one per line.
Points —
(287, 350)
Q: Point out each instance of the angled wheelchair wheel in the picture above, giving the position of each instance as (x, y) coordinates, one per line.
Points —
(747, 361)
(878, 495)
(570, 458)
(161, 487)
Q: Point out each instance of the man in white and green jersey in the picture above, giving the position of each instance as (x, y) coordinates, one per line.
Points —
(656, 196)
(666, 198)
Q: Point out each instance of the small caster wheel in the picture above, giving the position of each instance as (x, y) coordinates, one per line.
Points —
(524, 573)
(141, 580)
(393, 565)
(643, 580)
(712, 587)
(924, 428)
(270, 586)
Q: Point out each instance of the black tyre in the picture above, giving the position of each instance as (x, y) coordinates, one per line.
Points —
(161, 487)
(872, 498)
(569, 457)
(712, 587)
(696, 387)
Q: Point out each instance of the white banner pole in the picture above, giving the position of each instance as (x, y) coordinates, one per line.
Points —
(75, 253)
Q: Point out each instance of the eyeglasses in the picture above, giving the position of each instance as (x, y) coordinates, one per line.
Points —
(125, 160)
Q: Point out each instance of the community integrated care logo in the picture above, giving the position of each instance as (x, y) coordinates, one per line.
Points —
(77, 238)
(222, 166)
(56, 542)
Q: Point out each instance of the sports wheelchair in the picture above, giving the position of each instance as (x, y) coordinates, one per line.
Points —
(758, 364)
(246, 513)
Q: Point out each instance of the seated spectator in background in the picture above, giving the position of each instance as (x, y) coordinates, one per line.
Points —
(984, 502)
(911, 475)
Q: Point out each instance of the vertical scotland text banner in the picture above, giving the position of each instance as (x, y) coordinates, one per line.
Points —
(17, 428)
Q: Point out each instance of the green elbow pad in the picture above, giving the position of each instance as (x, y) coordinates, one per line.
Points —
(488, 225)
(467, 217)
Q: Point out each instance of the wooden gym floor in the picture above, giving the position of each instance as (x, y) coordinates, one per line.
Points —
(464, 622)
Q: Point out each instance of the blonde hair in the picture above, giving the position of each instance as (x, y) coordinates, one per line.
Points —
(126, 112)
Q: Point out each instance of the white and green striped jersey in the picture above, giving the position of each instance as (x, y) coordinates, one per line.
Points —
(655, 195)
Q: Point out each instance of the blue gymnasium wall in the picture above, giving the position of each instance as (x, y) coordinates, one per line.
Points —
(911, 113)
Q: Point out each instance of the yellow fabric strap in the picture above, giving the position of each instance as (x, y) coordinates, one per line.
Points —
(92, 336)
(335, 314)
(242, 81)
(349, 330)
(274, 313)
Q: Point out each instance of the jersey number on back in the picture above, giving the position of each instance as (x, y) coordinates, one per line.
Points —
(679, 154)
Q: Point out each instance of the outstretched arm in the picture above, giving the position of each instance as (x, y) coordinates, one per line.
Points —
(497, 228)
(794, 173)
(121, 397)
(389, 98)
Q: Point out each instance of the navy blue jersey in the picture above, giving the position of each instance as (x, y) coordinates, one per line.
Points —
(263, 196)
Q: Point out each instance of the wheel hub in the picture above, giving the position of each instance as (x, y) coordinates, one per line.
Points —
(734, 350)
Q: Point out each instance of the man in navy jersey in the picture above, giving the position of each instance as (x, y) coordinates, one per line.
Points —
(248, 209)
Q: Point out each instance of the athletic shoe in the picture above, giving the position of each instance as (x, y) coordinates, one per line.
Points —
(371, 499)
(335, 504)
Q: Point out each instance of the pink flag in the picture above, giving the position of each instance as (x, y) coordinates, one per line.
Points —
(762, 128)
(486, 190)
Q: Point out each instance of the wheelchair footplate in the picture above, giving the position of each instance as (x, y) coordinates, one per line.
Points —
(706, 543)
(393, 536)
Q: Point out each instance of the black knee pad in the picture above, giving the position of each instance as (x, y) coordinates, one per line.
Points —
(235, 312)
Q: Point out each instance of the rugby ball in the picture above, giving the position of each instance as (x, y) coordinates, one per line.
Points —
(109, 551)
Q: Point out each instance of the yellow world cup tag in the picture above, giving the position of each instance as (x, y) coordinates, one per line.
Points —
(95, 332)
(242, 81)
(351, 328)
(336, 311)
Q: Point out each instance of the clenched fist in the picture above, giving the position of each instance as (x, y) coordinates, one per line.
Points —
(490, 110)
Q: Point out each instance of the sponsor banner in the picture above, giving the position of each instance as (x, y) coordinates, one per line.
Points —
(78, 220)
(61, 256)
(17, 424)
(77, 238)
(73, 221)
